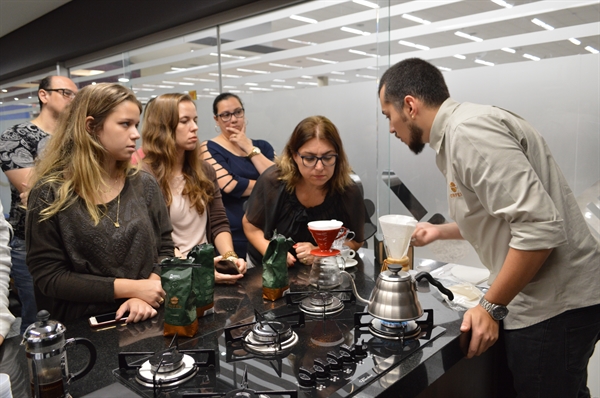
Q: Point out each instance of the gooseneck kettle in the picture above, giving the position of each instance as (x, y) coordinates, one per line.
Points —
(394, 297)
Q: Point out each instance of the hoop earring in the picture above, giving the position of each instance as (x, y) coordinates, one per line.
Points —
(217, 129)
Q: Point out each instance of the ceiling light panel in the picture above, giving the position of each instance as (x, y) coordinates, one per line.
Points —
(303, 19)
(542, 24)
(413, 45)
(366, 3)
(502, 3)
(416, 19)
(354, 31)
(468, 36)
(531, 57)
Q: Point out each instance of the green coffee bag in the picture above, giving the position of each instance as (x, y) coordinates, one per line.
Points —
(180, 303)
(275, 274)
(202, 256)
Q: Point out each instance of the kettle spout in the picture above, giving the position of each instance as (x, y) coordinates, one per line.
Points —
(354, 288)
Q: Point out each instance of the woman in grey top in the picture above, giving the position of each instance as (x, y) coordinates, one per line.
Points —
(95, 227)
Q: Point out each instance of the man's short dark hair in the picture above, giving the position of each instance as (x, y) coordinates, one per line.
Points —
(417, 78)
(45, 84)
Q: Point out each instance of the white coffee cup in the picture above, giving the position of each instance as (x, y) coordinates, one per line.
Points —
(5, 391)
(347, 253)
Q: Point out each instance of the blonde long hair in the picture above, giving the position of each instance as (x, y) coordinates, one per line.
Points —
(309, 128)
(159, 128)
(73, 161)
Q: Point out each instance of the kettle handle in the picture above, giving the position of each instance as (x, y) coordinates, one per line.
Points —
(91, 361)
(436, 283)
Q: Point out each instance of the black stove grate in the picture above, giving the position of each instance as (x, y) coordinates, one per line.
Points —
(426, 326)
(126, 362)
(234, 335)
(243, 392)
(293, 299)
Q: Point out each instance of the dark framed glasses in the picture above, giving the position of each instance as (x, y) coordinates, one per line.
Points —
(311, 161)
(226, 116)
(65, 92)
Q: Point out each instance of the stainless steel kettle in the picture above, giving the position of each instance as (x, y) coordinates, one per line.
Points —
(45, 347)
(394, 297)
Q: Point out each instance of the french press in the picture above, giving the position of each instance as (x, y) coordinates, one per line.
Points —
(45, 348)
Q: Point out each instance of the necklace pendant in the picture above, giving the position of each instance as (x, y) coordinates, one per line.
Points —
(117, 225)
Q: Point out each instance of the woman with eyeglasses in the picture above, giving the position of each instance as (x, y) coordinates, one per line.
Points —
(237, 160)
(311, 181)
(188, 183)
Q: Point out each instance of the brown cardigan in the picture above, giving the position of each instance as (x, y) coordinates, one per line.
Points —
(217, 217)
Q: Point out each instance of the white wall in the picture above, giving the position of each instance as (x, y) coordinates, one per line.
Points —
(273, 116)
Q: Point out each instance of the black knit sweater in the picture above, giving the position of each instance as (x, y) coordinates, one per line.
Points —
(74, 262)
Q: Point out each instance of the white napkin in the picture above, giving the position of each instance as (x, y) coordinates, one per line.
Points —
(472, 275)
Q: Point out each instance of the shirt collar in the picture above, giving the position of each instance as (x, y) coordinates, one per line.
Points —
(436, 135)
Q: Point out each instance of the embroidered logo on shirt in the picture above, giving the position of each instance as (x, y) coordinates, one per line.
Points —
(455, 193)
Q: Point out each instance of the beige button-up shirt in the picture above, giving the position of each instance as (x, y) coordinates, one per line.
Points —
(505, 190)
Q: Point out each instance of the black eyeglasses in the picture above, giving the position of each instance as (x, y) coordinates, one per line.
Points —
(226, 116)
(311, 161)
(65, 92)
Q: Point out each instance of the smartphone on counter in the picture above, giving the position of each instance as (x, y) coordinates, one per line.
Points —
(104, 320)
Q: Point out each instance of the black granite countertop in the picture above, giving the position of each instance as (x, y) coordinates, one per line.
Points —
(235, 304)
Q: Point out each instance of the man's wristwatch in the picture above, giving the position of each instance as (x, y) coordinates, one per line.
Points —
(497, 312)
(255, 151)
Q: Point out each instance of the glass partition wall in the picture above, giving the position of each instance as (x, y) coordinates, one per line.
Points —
(536, 58)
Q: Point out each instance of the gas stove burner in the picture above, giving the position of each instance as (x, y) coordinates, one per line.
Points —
(321, 304)
(269, 338)
(166, 361)
(394, 330)
(144, 369)
(148, 375)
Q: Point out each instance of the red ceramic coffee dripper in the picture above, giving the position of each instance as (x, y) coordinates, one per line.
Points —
(325, 233)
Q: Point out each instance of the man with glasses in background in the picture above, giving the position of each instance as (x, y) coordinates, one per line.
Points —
(20, 145)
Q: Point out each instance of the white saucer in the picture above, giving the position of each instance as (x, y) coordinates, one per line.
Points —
(350, 263)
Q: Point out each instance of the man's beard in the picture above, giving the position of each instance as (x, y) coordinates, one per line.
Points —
(416, 143)
(416, 139)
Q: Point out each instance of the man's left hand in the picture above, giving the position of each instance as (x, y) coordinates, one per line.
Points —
(484, 330)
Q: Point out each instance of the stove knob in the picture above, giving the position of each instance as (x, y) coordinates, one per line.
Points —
(346, 353)
(359, 350)
(322, 368)
(307, 377)
(335, 361)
